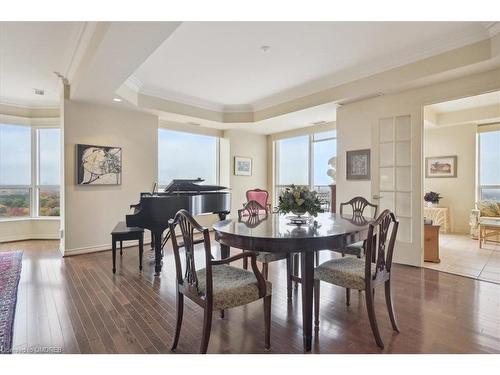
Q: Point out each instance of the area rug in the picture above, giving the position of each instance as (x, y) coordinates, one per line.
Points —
(10, 272)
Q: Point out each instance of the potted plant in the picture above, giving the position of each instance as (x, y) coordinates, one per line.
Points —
(299, 200)
(432, 199)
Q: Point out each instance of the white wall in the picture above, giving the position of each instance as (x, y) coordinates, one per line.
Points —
(17, 230)
(92, 211)
(248, 145)
(355, 124)
(458, 193)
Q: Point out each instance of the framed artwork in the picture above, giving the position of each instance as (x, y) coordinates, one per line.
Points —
(242, 166)
(441, 166)
(358, 165)
(98, 165)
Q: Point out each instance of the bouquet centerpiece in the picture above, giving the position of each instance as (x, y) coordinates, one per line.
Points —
(299, 200)
(432, 197)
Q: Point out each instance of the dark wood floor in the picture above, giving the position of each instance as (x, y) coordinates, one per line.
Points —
(78, 305)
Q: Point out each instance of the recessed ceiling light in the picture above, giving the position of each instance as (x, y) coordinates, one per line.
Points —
(265, 48)
(118, 100)
(39, 91)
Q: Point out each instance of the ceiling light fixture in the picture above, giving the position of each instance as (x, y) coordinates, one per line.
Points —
(265, 48)
(118, 100)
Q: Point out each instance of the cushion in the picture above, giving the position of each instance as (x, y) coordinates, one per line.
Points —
(265, 257)
(231, 286)
(347, 272)
(489, 208)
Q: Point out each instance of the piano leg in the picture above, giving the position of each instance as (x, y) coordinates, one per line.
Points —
(157, 237)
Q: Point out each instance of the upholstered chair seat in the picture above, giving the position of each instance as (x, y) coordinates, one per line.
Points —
(346, 272)
(232, 286)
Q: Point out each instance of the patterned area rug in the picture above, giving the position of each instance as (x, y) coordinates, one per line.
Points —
(10, 272)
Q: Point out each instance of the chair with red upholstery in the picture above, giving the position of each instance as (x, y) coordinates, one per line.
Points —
(260, 196)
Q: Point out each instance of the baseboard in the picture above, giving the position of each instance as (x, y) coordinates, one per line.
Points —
(98, 248)
(25, 237)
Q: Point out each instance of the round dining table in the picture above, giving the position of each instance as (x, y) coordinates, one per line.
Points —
(275, 233)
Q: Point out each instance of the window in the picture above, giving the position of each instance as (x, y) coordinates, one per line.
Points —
(186, 155)
(29, 171)
(489, 163)
(49, 156)
(305, 160)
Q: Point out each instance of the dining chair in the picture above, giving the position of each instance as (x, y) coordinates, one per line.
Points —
(364, 274)
(252, 214)
(218, 286)
(259, 195)
(358, 206)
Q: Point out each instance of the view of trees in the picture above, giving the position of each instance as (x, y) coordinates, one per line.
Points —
(49, 203)
(16, 203)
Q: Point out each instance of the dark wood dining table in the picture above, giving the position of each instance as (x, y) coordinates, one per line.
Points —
(274, 233)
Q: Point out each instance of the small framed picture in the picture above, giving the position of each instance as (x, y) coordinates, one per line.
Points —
(441, 166)
(98, 165)
(242, 166)
(358, 165)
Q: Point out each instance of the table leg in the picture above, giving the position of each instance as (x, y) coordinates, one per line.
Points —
(157, 236)
(224, 251)
(114, 255)
(307, 270)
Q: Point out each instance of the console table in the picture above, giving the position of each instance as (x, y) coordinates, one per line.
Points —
(439, 216)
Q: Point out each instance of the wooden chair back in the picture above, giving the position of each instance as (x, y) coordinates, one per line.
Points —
(259, 195)
(252, 209)
(188, 226)
(358, 205)
(380, 247)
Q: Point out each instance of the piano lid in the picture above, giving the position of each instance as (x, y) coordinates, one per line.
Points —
(190, 185)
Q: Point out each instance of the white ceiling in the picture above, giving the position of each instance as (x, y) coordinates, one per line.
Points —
(478, 101)
(217, 65)
(29, 54)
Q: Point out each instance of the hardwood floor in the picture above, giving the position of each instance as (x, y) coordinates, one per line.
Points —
(77, 305)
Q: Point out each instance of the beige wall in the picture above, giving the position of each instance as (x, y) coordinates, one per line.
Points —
(248, 145)
(458, 193)
(355, 125)
(92, 211)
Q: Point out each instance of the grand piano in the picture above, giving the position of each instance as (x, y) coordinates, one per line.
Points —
(155, 209)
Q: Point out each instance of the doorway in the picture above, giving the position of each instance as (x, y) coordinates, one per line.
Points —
(461, 174)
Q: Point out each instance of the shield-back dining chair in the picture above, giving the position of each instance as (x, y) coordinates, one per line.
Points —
(218, 286)
(364, 274)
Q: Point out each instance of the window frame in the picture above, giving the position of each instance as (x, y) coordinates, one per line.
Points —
(34, 186)
(310, 174)
(217, 155)
(479, 186)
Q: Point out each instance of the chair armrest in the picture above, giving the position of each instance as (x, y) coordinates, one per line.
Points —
(245, 254)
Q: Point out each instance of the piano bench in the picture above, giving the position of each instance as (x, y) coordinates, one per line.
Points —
(123, 233)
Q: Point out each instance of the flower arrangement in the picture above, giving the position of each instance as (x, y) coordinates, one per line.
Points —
(299, 200)
(432, 197)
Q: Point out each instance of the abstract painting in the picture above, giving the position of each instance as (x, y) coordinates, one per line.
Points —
(358, 165)
(98, 165)
(242, 166)
(441, 166)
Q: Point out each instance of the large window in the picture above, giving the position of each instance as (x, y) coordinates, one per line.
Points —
(186, 155)
(306, 160)
(29, 171)
(489, 163)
